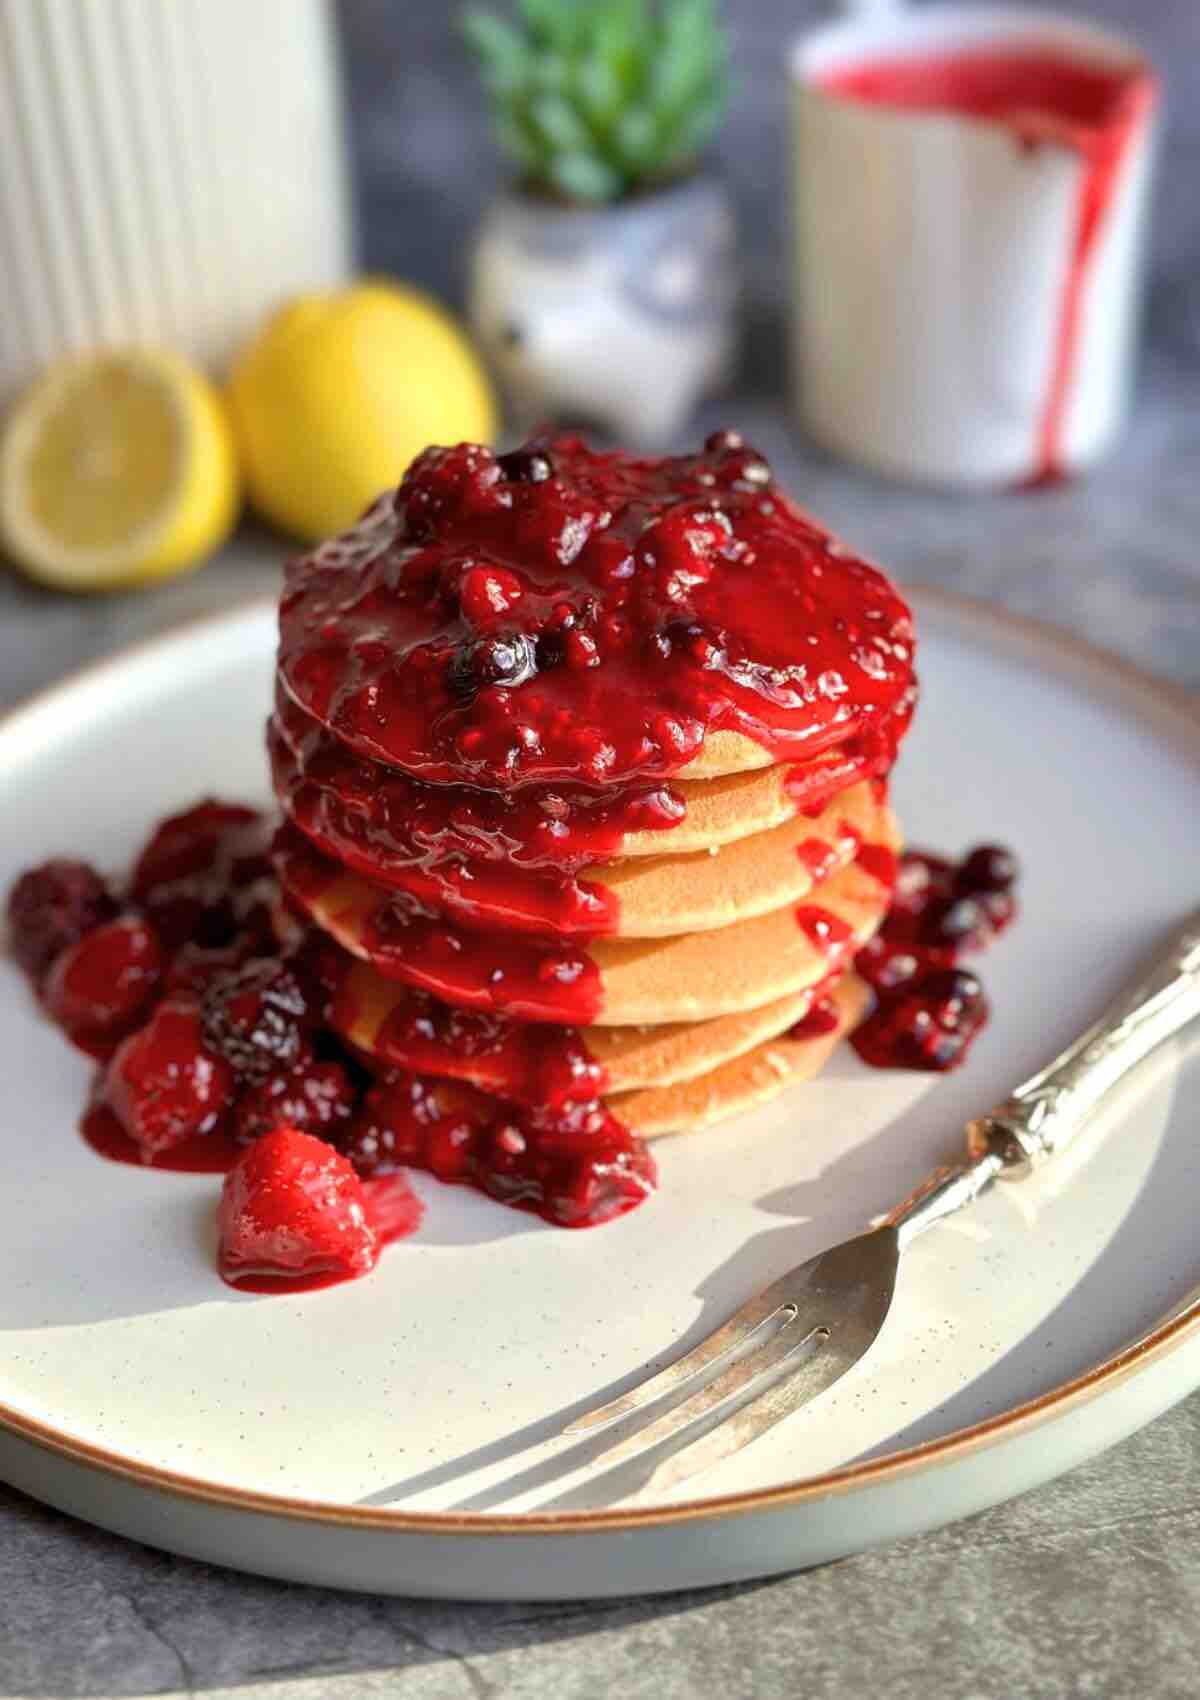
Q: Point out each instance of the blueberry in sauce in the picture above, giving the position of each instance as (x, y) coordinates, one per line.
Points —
(527, 465)
(507, 659)
(989, 867)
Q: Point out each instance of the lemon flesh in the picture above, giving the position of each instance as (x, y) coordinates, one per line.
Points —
(116, 468)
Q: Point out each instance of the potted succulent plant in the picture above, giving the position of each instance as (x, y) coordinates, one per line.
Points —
(603, 283)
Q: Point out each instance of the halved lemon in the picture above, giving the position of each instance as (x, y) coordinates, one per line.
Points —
(117, 468)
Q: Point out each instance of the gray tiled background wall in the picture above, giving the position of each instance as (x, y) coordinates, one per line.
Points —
(425, 163)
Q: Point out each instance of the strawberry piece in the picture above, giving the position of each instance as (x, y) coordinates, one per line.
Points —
(164, 1085)
(99, 989)
(293, 1207)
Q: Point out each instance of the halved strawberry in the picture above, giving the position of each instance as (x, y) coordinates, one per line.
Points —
(292, 1206)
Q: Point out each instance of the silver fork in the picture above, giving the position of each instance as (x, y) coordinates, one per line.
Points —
(804, 1331)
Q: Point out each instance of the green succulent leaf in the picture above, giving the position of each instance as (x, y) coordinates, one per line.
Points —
(559, 124)
(585, 177)
(549, 73)
(594, 97)
(699, 122)
(499, 48)
(635, 141)
(516, 141)
(598, 89)
(549, 22)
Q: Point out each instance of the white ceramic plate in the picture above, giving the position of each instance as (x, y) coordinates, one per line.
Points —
(398, 1433)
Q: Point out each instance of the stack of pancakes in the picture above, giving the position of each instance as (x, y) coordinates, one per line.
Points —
(687, 950)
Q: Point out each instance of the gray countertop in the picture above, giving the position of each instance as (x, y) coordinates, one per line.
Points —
(1089, 1587)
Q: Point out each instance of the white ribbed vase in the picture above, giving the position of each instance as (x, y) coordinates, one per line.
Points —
(171, 168)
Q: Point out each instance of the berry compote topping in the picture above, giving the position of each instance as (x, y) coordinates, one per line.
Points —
(508, 860)
(396, 821)
(822, 1018)
(484, 857)
(522, 1062)
(218, 1048)
(204, 879)
(575, 1166)
(529, 977)
(927, 1010)
(812, 783)
(591, 624)
(257, 1018)
(828, 932)
(315, 1097)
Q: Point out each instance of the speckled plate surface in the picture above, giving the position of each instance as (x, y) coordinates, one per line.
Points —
(399, 1433)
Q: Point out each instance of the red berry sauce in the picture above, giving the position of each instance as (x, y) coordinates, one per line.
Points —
(529, 977)
(377, 810)
(221, 1040)
(509, 860)
(573, 656)
(522, 1062)
(822, 1018)
(393, 1211)
(315, 1097)
(575, 1165)
(828, 932)
(927, 1010)
(164, 1084)
(199, 1154)
(590, 626)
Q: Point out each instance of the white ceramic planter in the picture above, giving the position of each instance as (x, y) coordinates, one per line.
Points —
(933, 255)
(622, 316)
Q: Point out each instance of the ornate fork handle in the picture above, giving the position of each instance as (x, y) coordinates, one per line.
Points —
(1044, 1115)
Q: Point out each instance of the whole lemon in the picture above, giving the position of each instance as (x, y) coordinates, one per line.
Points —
(337, 393)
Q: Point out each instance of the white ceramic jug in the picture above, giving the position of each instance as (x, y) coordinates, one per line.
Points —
(965, 287)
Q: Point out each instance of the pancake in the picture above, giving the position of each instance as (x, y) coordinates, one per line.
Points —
(663, 1055)
(725, 810)
(750, 1080)
(662, 896)
(699, 976)
(725, 753)
(387, 825)
(606, 982)
(583, 761)
(398, 1027)
(646, 896)
(743, 1084)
